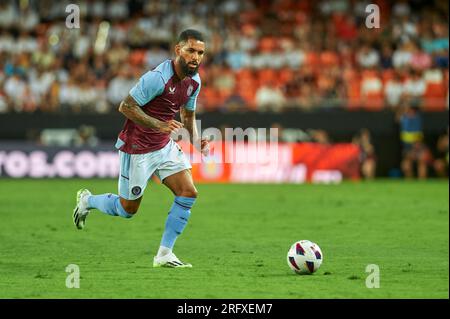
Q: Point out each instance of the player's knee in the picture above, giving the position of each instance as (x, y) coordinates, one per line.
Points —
(130, 211)
(130, 207)
(190, 192)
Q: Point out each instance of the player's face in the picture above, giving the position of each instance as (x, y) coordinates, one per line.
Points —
(190, 54)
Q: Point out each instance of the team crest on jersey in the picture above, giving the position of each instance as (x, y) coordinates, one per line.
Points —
(189, 90)
(172, 90)
(136, 190)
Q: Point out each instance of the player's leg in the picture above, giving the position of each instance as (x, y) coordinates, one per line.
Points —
(135, 170)
(134, 174)
(175, 174)
(183, 188)
(114, 205)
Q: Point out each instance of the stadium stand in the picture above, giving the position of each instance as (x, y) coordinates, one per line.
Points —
(262, 55)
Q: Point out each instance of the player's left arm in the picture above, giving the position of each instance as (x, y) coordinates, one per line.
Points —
(188, 120)
(187, 114)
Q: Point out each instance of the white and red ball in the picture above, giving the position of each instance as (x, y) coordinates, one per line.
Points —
(304, 257)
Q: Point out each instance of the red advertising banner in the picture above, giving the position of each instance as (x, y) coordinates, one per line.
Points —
(279, 163)
(325, 162)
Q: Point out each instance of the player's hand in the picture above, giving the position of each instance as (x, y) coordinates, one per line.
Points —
(170, 127)
(204, 146)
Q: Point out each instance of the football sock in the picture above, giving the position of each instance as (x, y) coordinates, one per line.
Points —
(176, 220)
(163, 251)
(108, 204)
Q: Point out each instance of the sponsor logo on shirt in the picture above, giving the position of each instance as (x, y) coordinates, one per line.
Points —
(172, 90)
(189, 90)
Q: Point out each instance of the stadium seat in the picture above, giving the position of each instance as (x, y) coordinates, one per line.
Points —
(137, 57)
(435, 97)
(285, 75)
(436, 91)
(267, 76)
(387, 75)
(372, 90)
(354, 94)
(329, 58)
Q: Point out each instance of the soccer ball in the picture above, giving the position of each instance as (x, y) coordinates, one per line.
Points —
(304, 257)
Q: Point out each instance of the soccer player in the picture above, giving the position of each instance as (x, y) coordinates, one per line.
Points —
(145, 147)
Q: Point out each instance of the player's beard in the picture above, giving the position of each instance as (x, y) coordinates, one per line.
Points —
(186, 69)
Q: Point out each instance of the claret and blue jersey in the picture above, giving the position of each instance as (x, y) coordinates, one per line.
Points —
(161, 94)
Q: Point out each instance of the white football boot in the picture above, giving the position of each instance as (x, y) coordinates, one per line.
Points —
(81, 211)
(169, 260)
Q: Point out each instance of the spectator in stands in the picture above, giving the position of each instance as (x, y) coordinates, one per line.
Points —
(224, 81)
(16, 89)
(155, 56)
(3, 102)
(414, 88)
(99, 68)
(8, 14)
(67, 94)
(86, 136)
(117, 54)
(117, 9)
(120, 85)
(44, 56)
(394, 91)
(2, 72)
(292, 92)
(402, 56)
(28, 19)
(270, 98)
(420, 60)
(234, 103)
(436, 43)
(367, 57)
(308, 100)
(330, 89)
(13, 66)
(386, 56)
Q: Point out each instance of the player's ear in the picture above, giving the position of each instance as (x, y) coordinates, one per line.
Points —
(178, 49)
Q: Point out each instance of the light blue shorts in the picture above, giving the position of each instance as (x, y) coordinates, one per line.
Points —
(137, 169)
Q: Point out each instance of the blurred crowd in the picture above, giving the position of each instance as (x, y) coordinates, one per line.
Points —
(266, 55)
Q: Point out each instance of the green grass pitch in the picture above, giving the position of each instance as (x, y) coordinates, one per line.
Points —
(237, 240)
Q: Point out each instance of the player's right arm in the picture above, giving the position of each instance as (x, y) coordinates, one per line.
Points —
(133, 111)
(150, 85)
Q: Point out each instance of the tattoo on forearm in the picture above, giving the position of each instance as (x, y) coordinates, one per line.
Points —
(134, 112)
(188, 119)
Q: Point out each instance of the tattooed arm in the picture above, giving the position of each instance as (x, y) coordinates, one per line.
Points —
(188, 120)
(131, 109)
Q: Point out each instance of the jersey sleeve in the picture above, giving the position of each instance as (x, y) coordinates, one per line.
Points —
(192, 102)
(150, 85)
